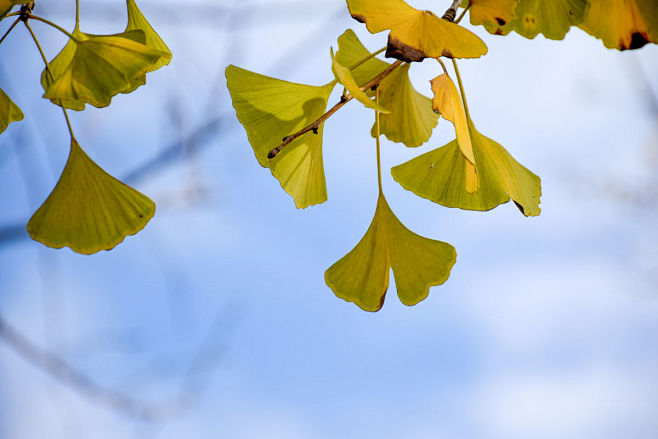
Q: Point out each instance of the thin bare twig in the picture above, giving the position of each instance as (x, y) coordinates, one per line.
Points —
(451, 13)
(374, 82)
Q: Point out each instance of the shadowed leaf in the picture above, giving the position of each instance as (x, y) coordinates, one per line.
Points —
(137, 21)
(623, 24)
(492, 14)
(9, 112)
(344, 76)
(362, 276)
(89, 210)
(270, 109)
(551, 18)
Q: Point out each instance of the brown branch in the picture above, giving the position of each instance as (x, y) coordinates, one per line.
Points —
(374, 82)
(451, 13)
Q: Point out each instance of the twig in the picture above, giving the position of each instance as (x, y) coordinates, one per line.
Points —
(374, 82)
(451, 13)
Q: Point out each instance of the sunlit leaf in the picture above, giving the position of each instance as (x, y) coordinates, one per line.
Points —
(344, 76)
(411, 119)
(491, 13)
(9, 112)
(89, 210)
(441, 175)
(448, 103)
(137, 21)
(362, 276)
(270, 109)
(551, 18)
(416, 34)
(94, 68)
(623, 24)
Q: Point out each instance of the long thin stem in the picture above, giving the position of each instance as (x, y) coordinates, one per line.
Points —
(443, 66)
(344, 100)
(52, 78)
(77, 13)
(367, 58)
(9, 30)
(379, 156)
(461, 89)
(13, 14)
(463, 13)
(50, 23)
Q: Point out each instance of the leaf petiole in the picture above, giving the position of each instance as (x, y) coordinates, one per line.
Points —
(9, 30)
(50, 23)
(463, 13)
(379, 157)
(461, 89)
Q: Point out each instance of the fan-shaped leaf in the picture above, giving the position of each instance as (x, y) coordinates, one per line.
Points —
(9, 112)
(551, 18)
(89, 210)
(623, 24)
(137, 21)
(93, 68)
(441, 175)
(415, 34)
(344, 76)
(270, 109)
(362, 276)
(411, 119)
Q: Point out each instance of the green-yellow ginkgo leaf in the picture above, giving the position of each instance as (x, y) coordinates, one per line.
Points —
(448, 103)
(137, 21)
(270, 109)
(7, 5)
(623, 24)
(9, 112)
(491, 13)
(344, 76)
(89, 210)
(441, 175)
(91, 69)
(551, 18)
(411, 119)
(416, 34)
(418, 263)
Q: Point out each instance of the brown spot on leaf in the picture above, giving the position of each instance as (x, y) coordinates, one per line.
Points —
(500, 21)
(520, 207)
(360, 18)
(638, 39)
(399, 50)
(446, 53)
(499, 31)
(381, 301)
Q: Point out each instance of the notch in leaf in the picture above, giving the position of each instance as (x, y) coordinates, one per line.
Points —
(9, 111)
(411, 119)
(91, 69)
(270, 109)
(418, 263)
(623, 24)
(416, 34)
(89, 210)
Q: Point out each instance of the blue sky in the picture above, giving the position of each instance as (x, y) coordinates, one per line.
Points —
(547, 327)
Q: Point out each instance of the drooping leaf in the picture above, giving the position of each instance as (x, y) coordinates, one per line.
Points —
(270, 109)
(411, 119)
(448, 103)
(551, 18)
(491, 13)
(137, 21)
(89, 210)
(9, 112)
(441, 175)
(344, 76)
(362, 276)
(416, 34)
(93, 68)
(623, 24)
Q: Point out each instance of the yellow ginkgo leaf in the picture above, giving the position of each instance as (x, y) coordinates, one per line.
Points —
(6, 5)
(411, 119)
(551, 18)
(91, 69)
(137, 21)
(623, 24)
(492, 14)
(9, 112)
(344, 76)
(362, 276)
(270, 109)
(89, 210)
(416, 34)
(441, 175)
(448, 103)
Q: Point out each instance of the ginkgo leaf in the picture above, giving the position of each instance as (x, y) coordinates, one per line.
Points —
(7, 5)
(93, 68)
(9, 112)
(448, 103)
(362, 276)
(491, 13)
(411, 119)
(137, 21)
(270, 109)
(623, 24)
(551, 18)
(441, 175)
(344, 76)
(416, 34)
(89, 210)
